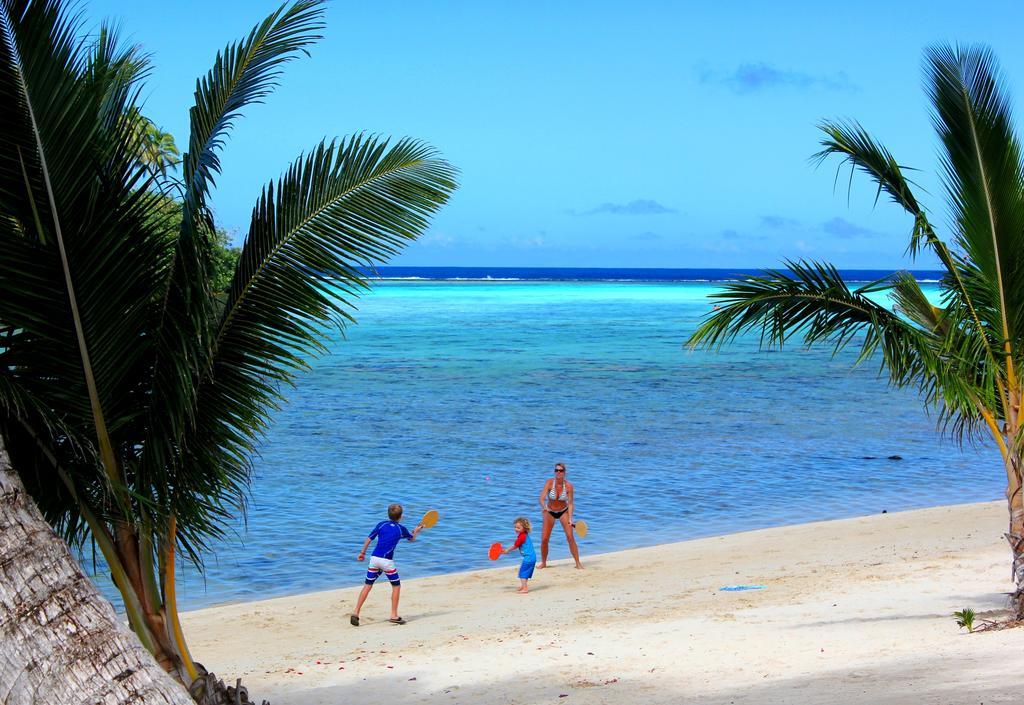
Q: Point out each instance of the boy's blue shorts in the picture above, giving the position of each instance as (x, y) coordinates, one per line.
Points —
(526, 569)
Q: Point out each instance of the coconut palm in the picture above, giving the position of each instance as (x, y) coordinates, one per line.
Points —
(131, 396)
(158, 149)
(962, 351)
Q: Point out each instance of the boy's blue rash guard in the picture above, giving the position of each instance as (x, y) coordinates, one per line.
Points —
(388, 534)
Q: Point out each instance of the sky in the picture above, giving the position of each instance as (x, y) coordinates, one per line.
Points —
(598, 134)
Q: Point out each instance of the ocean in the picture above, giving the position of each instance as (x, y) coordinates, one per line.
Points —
(460, 388)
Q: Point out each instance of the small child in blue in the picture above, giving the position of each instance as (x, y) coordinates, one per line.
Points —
(388, 534)
(522, 528)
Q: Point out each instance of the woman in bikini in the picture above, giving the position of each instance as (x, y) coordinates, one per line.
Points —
(556, 499)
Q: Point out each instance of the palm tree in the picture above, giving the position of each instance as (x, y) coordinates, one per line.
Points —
(962, 352)
(158, 149)
(131, 396)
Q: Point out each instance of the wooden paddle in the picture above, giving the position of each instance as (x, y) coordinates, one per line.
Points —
(429, 519)
(581, 528)
(495, 552)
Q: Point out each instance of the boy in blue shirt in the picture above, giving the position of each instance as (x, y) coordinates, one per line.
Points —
(388, 534)
(522, 528)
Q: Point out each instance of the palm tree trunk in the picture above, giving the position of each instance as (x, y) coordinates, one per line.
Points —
(60, 641)
(1014, 459)
(1015, 536)
(130, 552)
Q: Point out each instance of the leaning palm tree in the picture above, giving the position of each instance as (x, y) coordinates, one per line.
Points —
(963, 350)
(131, 396)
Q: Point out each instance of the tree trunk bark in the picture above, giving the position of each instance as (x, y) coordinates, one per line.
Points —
(60, 641)
(1015, 503)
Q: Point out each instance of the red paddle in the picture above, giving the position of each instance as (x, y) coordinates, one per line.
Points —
(495, 551)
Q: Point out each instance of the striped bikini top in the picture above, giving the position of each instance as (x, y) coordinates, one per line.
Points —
(565, 492)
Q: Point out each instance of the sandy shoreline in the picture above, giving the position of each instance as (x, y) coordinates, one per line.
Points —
(855, 611)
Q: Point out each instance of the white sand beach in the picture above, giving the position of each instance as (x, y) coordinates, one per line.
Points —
(855, 611)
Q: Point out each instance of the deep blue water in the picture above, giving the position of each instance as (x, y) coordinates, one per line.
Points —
(593, 274)
(460, 394)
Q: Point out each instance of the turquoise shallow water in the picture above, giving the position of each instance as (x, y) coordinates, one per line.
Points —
(462, 395)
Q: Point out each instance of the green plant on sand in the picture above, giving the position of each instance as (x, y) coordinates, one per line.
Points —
(964, 354)
(965, 619)
(131, 396)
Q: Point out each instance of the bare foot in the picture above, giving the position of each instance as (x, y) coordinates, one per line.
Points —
(542, 565)
(522, 592)
(579, 566)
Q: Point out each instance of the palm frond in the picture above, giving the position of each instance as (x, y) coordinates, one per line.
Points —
(340, 207)
(811, 300)
(857, 147)
(38, 45)
(244, 73)
(919, 345)
(70, 178)
(911, 301)
(968, 373)
(983, 171)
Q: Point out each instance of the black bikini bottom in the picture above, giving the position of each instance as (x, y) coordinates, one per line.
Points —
(557, 515)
